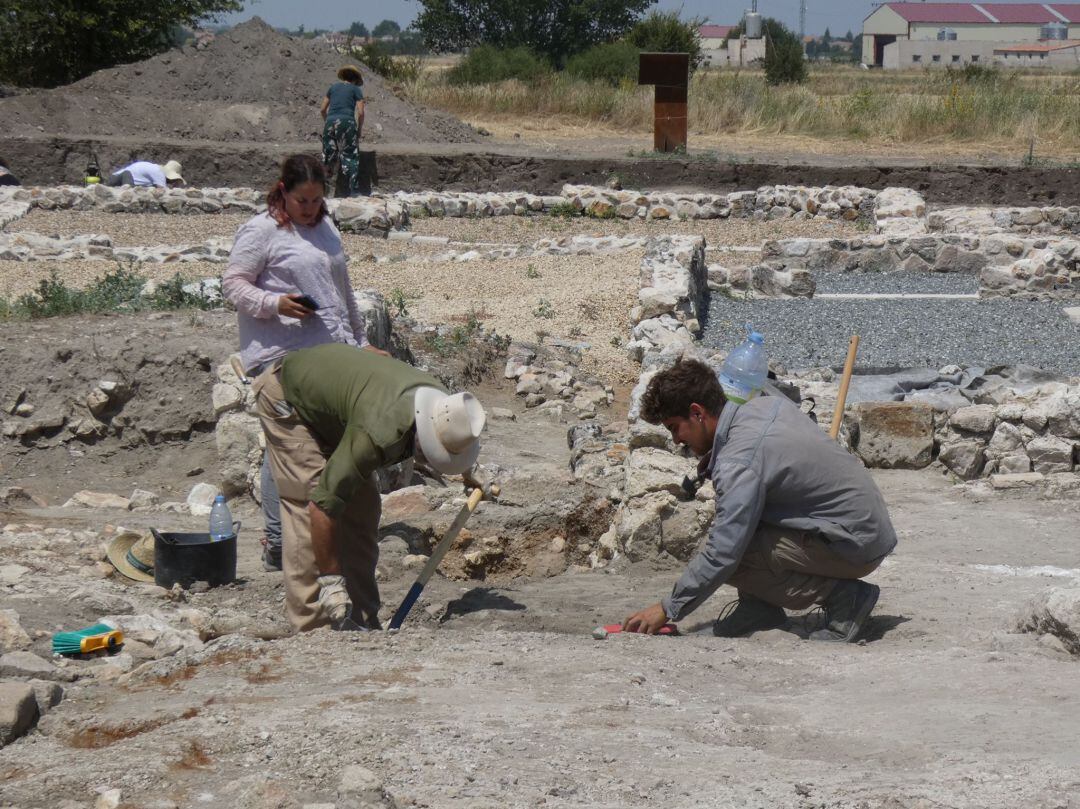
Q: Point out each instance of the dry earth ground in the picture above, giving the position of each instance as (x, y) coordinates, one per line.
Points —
(509, 702)
(495, 695)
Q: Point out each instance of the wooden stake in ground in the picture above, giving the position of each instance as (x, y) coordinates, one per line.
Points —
(845, 380)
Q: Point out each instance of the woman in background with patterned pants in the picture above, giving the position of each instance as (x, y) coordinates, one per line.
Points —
(343, 111)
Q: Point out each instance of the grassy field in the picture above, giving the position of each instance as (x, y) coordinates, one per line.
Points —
(1002, 109)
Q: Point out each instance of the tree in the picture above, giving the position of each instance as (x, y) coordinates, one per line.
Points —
(856, 50)
(45, 43)
(826, 40)
(664, 32)
(387, 28)
(785, 62)
(358, 29)
(555, 29)
(848, 37)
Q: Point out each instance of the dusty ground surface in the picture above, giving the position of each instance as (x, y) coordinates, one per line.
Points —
(507, 701)
(495, 694)
(130, 229)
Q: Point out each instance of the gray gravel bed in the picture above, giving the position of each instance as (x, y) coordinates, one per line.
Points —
(803, 333)
(896, 282)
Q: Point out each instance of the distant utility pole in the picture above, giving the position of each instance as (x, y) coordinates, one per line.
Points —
(802, 19)
(753, 7)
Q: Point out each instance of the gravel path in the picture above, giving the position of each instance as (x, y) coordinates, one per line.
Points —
(527, 229)
(903, 334)
(588, 299)
(131, 229)
(896, 282)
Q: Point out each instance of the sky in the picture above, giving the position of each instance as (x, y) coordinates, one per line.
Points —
(838, 15)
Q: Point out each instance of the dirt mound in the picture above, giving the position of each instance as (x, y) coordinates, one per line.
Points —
(251, 83)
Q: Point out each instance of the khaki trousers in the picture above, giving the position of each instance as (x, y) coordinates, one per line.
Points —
(793, 569)
(297, 460)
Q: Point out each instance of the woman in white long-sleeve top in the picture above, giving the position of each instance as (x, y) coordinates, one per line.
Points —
(288, 279)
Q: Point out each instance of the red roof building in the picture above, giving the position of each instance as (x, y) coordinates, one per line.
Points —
(715, 31)
(983, 25)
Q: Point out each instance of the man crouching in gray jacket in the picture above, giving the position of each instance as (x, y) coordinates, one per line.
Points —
(798, 520)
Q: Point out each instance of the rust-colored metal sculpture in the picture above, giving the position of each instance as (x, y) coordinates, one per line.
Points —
(670, 73)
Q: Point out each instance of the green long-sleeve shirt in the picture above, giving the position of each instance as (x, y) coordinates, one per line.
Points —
(360, 404)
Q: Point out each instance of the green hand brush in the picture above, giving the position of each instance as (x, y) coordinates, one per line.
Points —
(91, 639)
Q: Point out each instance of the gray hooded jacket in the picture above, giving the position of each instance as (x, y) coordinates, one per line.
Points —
(772, 464)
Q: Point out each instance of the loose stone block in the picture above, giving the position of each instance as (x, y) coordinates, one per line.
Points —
(896, 435)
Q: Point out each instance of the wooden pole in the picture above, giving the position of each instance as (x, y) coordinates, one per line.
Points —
(845, 380)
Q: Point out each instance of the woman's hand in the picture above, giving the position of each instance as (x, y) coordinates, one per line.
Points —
(289, 306)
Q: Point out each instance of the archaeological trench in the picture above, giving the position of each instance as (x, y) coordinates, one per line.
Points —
(969, 319)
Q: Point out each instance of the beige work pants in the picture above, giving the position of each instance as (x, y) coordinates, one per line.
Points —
(297, 460)
(793, 569)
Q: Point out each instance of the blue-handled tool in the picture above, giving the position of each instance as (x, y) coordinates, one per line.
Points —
(437, 555)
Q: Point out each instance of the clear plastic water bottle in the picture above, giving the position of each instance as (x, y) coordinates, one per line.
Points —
(220, 520)
(746, 368)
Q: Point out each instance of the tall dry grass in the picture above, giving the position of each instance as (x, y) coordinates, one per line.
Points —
(930, 106)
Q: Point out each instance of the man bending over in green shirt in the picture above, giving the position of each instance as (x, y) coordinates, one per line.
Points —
(332, 415)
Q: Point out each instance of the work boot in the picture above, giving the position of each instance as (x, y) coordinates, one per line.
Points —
(271, 557)
(747, 616)
(334, 602)
(846, 610)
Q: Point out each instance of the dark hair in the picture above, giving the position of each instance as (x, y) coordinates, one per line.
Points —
(295, 170)
(671, 392)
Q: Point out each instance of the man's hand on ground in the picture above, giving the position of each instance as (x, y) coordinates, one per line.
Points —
(373, 350)
(648, 620)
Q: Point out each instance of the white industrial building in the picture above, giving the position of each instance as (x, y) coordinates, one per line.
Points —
(903, 35)
(718, 50)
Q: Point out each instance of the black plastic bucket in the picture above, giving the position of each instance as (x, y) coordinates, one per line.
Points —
(188, 558)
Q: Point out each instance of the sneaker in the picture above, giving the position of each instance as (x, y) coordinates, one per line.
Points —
(746, 616)
(846, 610)
(271, 557)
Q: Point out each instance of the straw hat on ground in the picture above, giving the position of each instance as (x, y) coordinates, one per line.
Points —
(448, 428)
(132, 554)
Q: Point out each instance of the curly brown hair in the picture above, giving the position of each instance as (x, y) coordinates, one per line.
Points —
(672, 391)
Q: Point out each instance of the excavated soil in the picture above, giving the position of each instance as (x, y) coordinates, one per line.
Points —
(250, 84)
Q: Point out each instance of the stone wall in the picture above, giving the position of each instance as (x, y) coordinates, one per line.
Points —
(1036, 431)
(1051, 220)
(1052, 273)
(952, 253)
(355, 214)
(673, 295)
(768, 202)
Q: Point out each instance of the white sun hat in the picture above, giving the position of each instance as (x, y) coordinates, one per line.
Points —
(448, 428)
(172, 170)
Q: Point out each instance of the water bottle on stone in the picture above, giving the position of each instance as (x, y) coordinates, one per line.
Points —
(746, 368)
(220, 520)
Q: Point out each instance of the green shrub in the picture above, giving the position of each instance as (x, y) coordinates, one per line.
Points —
(119, 290)
(565, 210)
(396, 69)
(172, 295)
(664, 32)
(613, 63)
(485, 64)
(784, 60)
